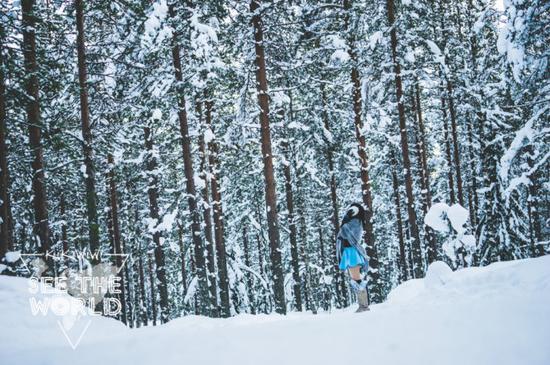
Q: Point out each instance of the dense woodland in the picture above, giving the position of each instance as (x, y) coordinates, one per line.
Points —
(218, 142)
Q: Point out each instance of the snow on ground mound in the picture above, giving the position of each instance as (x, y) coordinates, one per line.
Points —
(499, 314)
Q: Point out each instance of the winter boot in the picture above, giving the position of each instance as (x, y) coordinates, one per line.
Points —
(363, 300)
(360, 289)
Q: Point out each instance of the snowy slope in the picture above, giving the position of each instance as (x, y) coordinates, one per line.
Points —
(498, 314)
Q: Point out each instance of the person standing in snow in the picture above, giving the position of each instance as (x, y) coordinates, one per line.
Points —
(351, 255)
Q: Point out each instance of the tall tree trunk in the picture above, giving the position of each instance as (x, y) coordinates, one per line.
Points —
(413, 226)
(130, 289)
(143, 294)
(182, 257)
(363, 159)
(41, 224)
(116, 231)
(448, 154)
(213, 158)
(91, 196)
(64, 235)
(325, 292)
(6, 238)
(200, 262)
(473, 196)
(424, 174)
(207, 218)
(293, 241)
(294, 255)
(152, 191)
(153, 291)
(310, 301)
(249, 281)
(270, 188)
(454, 135)
(341, 292)
(397, 200)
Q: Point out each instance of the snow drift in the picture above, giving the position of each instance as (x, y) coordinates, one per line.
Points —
(499, 314)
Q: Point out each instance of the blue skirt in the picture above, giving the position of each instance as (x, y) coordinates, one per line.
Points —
(351, 258)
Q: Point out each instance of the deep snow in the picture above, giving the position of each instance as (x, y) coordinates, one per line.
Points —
(499, 314)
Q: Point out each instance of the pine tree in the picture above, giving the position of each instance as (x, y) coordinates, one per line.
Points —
(270, 186)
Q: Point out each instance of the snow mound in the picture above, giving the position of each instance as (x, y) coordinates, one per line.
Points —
(498, 314)
(437, 275)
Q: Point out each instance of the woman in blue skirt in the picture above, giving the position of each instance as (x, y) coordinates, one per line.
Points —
(351, 254)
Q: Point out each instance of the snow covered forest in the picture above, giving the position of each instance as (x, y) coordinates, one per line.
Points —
(218, 143)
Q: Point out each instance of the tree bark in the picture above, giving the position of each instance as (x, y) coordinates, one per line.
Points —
(213, 158)
(41, 224)
(293, 240)
(294, 255)
(448, 153)
(454, 135)
(143, 295)
(413, 226)
(117, 248)
(64, 238)
(153, 291)
(6, 238)
(91, 196)
(207, 218)
(473, 195)
(363, 159)
(249, 281)
(397, 200)
(200, 262)
(182, 257)
(424, 174)
(340, 286)
(152, 191)
(270, 186)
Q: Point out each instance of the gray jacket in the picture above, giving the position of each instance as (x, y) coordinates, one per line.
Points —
(352, 231)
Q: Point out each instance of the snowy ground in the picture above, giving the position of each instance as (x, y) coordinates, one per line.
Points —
(498, 314)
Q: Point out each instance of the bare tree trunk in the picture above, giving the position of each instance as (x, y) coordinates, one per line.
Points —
(402, 256)
(363, 159)
(153, 291)
(341, 292)
(64, 238)
(182, 257)
(116, 231)
(294, 260)
(448, 153)
(293, 241)
(267, 155)
(189, 174)
(41, 224)
(143, 295)
(152, 191)
(223, 279)
(424, 174)
(310, 301)
(207, 218)
(6, 238)
(266, 298)
(456, 152)
(417, 255)
(249, 281)
(91, 197)
(130, 289)
(325, 293)
(473, 196)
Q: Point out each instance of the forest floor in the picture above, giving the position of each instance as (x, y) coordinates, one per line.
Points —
(499, 314)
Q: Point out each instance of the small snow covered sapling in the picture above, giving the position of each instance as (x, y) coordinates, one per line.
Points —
(449, 222)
